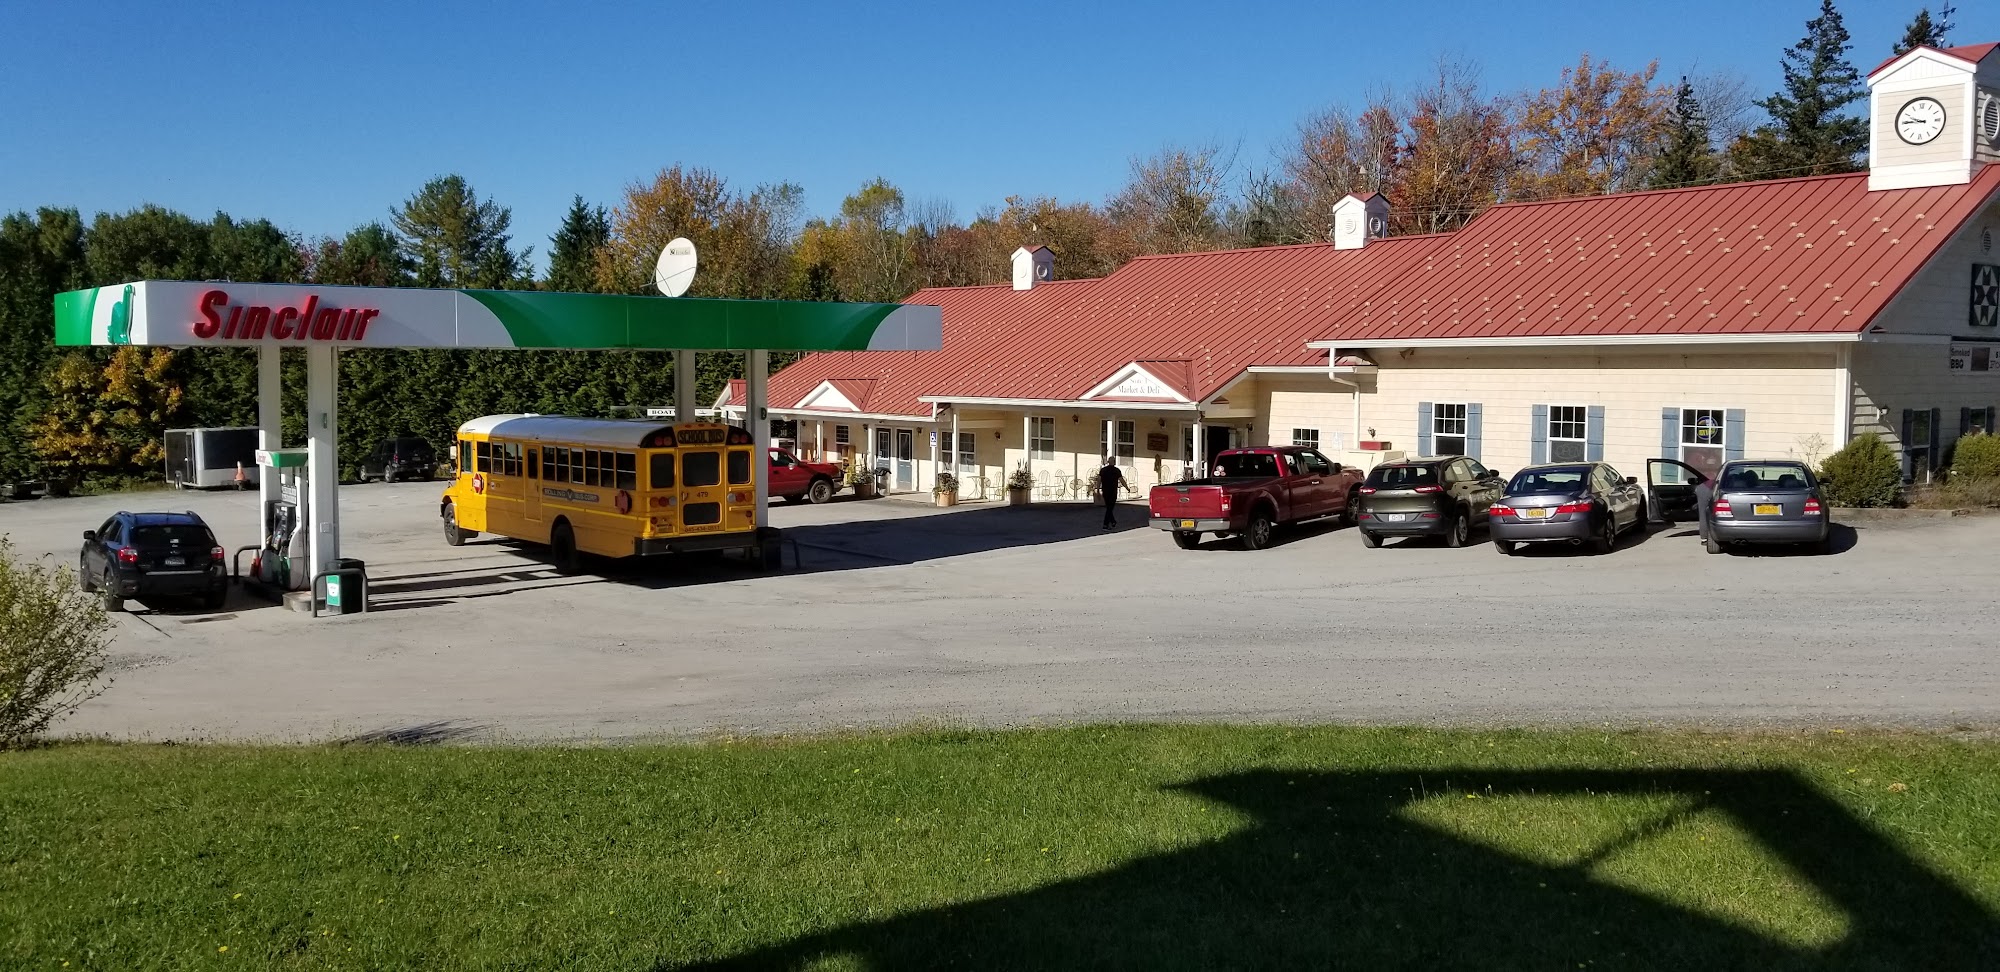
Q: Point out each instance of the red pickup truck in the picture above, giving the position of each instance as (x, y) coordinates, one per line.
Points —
(796, 479)
(1255, 491)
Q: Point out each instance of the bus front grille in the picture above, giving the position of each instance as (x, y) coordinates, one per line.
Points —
(701, 514)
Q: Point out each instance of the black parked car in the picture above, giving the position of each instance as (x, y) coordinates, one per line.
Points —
(403, 457)
(146, 555)
(1438, 496)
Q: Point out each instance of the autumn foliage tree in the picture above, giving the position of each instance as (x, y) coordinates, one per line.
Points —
(1456, 156)
(1591, 134)
(107, 418)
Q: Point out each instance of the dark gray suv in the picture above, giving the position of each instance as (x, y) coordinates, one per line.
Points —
(1434, 496)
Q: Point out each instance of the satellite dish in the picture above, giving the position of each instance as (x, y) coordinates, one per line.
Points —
(675, 271)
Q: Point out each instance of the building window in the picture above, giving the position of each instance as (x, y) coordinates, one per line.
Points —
(1978, 421)
(968, 447)
(1702, 439)
(840, 435)
(1306, 437)
(1568, 429)
(1127, 439)
(1448, 429)
(1919, 436)
(1042, 438)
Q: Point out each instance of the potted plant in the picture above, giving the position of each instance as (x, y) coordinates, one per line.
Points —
(1020, 486)
(861, 480)
(945, 492)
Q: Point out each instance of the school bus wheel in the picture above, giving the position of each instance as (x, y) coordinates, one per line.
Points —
(452, 534)
(562, 547)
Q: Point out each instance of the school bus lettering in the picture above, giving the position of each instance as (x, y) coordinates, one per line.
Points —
(570, 495)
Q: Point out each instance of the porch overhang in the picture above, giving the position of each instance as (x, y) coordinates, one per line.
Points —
(1592, 340)
(1101, 405)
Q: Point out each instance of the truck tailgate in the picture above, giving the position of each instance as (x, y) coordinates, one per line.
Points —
(1190, 501)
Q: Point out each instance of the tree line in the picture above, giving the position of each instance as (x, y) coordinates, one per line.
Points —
(1441, 153)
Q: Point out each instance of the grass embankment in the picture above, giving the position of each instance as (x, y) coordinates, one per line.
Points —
(1135, 847)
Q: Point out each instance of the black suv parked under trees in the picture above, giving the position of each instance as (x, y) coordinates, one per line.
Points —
(403, 457)
(143, 555)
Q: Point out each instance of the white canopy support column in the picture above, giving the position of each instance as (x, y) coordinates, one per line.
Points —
(757, 364)
(684, 403)
(270, 427)
(322, 464)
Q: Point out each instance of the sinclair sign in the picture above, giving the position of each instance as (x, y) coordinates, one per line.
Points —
(174, 313)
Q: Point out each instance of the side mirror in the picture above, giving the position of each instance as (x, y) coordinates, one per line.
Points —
(1631, 480)
(90, 536)
(1335, 470)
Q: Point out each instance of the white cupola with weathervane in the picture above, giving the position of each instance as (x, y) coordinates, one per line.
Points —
(1033, 265)
(1933, 116)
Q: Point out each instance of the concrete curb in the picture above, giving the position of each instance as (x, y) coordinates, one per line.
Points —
(1859, 514)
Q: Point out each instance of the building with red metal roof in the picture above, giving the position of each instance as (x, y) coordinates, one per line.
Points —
(1771, 318)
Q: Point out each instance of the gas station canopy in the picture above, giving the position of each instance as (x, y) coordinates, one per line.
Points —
(183, 314)
(301, 519)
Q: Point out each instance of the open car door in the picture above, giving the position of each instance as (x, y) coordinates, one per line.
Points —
(1670, 490)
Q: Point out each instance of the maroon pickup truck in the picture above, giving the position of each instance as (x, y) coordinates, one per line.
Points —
(1255, 491)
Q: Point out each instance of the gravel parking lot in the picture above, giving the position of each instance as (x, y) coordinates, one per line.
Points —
(890, 612)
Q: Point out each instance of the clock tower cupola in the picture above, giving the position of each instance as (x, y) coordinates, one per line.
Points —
(1933, 116)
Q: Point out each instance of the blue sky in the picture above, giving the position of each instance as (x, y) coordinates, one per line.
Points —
(322, 119)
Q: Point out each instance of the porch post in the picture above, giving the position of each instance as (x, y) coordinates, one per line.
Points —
(935, 435)
(953, 451)
(819, 441)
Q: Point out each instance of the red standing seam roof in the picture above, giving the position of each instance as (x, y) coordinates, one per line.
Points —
(1816, 255)
(1969, 53)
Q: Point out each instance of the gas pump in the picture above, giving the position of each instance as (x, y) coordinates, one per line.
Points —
(283, 561)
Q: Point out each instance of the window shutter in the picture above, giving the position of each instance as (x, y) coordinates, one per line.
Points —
(1423, 428)
(1472, 424)
(1909, 429)
(1538, 435)
(1670, 433)
(1732, 433)
(1931, 457)
(1593, 434)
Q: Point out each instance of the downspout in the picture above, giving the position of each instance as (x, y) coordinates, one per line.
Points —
(1333, 355)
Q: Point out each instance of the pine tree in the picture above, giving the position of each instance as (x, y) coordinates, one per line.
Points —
(1810, 132)
(573, 250)
(1924, 31)
(1686, 158)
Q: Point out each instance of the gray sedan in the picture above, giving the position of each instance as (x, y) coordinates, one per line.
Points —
(1567, 503)
(1765, 501)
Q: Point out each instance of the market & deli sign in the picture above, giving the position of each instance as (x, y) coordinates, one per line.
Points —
(220, 320)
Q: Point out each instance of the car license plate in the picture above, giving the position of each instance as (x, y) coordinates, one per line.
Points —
(176, 561)
(1391, 517)
(1767, 509)
(1187, 524)
(1535, 514)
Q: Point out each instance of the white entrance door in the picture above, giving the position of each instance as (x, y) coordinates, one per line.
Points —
(906, 459)
(884, 441)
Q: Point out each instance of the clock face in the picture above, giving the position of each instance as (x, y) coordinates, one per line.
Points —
(1920, 121)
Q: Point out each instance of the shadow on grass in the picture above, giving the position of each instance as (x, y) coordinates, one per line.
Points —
(1333, 872)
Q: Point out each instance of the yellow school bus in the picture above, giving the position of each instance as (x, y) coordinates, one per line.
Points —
(610, 487)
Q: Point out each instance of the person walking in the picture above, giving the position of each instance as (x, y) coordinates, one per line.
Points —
(1110, 480)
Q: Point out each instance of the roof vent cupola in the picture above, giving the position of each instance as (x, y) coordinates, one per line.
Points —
(1358, 219)
(1033, 265)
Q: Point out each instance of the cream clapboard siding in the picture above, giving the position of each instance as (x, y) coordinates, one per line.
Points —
(1889, 378)
(1938, 300)
(1788, 398)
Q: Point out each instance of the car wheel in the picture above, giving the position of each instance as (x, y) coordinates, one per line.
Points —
(1458, 530)
(1351, 515)
(452, 534)
(388, 475)
(1369, 540)
(1607, 535)
(1710, 544)
(109, 587)
(1187, 539)
(1261, 530)
(562, 549)
(1505, 546)
(83, 578)
(821, 491)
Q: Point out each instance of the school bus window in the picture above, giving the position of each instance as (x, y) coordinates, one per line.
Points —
(485, 457)
(464, 456)
(628, 471)
(701, 469)
(510, 459)
(739, 468)
(576, 466)
(660, 472)
(607, 468)
(534, 465)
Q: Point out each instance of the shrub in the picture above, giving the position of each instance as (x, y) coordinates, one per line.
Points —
(1976, 456)
(1865, 472)
(52, 640)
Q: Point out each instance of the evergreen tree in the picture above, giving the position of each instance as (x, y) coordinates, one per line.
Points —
(1924, 31)
(1686, 157)
(1810, 132)
(454, 239)
(41, 255)
(573, 250)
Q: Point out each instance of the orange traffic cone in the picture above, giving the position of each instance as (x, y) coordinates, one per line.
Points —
(242, 481)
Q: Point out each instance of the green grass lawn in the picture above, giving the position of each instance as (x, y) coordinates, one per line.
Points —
(1148, 847)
